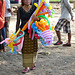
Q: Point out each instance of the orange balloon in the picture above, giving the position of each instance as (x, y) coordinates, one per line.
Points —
(43, 13)
(39, 26)
(25, 26)
(43, 8)
(42, 25)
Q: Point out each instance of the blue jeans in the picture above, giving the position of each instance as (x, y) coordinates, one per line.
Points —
(3, 34)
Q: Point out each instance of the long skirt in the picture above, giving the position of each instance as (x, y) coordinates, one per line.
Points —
(29, 51)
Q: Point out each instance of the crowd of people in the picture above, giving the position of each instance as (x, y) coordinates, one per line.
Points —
(30, 47)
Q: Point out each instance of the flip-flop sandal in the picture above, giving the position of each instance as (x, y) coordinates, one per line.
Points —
(58, 43)
(25, 71)
(67, 45)
(33, 68)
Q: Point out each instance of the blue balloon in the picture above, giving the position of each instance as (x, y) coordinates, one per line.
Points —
(20, 36)
(14, 50)
(47, 4)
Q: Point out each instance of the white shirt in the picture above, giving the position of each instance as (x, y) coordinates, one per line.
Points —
(66, 10)
(7, 13)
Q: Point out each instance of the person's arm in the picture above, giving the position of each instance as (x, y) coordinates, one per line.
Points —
(18, 20)
(35, 17)
(68, 6)
(8, 6)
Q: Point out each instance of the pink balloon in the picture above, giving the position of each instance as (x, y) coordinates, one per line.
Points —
(47, 36)
(33, 35)
(6, 41)
(30, 21)
(38, 2)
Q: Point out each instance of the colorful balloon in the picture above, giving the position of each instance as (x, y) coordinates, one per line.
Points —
(22, 34)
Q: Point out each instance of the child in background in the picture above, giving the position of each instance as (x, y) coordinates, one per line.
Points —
(64, 21)
(30, 47)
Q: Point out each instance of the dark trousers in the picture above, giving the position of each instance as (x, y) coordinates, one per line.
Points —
(1, 39)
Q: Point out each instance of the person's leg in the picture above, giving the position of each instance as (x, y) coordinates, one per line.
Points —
(69, 38)
(67, 29)
(1, 45)
(58, 36)
(58, 27)
(3, 33)
(7, 20)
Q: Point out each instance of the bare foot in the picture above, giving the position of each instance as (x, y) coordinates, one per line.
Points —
(4, 50)
(1, 50)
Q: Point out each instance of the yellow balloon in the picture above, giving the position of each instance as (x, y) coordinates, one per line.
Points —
(52, 28)
(37, 11)
(36, 4)
(45, 1)
(16, 33)
(11, 46)
(11, 35)
(50, 8)
(39, 7)
(11, 38)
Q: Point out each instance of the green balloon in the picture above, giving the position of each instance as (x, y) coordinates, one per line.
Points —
(46, 19)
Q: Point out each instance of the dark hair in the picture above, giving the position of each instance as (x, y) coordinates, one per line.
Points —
(22, 4)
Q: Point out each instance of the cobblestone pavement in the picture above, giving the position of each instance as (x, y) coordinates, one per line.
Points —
(59, 61)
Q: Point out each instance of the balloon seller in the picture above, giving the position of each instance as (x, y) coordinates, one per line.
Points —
(30, 47)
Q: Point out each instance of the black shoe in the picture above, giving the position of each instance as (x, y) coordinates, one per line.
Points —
(58, 43)
(67, 45)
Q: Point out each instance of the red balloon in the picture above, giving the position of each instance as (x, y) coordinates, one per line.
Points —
(47, 27)
(37, 36)
(40, 8)
(20, 40)
(29, 31)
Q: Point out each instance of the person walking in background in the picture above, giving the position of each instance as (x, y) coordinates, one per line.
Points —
(8, 13)
(2, 7)
(30, 47)
(64, 21)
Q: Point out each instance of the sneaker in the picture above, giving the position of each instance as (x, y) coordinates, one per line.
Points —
(33, 68)
(67, 45)
(25, 70)
(58, 43)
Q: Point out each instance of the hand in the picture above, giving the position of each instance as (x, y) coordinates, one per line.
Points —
(72, 18)
(35, 17)
(11, 13)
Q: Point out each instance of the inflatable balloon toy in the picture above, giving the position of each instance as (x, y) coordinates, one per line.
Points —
(43, 30)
